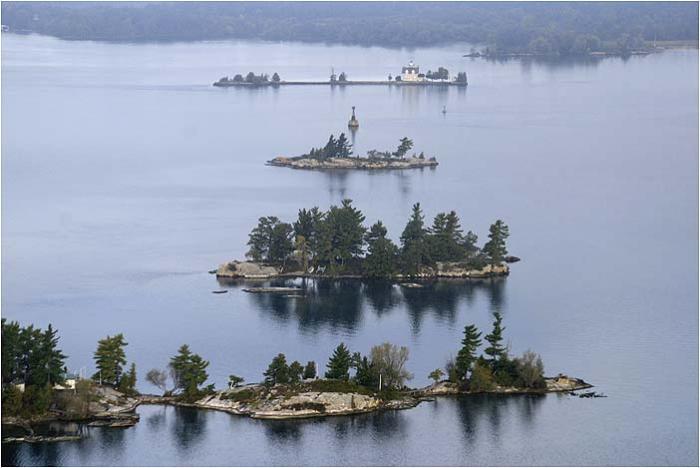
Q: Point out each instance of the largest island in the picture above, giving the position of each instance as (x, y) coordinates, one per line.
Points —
(336, 243)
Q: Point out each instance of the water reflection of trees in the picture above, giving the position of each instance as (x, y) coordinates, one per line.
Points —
(340, 304)
(485, 413)
(189, 427)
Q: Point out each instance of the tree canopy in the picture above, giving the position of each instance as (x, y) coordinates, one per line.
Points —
(337, 242)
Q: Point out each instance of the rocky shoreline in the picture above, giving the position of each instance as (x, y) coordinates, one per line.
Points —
(253, 270)
(352, 163)
(307, 399)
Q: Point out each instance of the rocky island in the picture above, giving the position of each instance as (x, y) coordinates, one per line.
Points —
(336, 244)
(353, 383)
(337, 154)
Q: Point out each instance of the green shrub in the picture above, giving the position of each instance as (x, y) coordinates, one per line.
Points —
(11, 400)
(244, 396)
(481, 379)
(340, 386)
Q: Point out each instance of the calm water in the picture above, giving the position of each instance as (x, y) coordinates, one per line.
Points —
(126, 176)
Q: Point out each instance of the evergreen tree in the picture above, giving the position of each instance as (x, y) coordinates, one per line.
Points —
(366, 373)
(127, 384)
(307, 226)
(413, 242)
(343, 147)
(296, 372)
(234, 380)
(109, 359)
(495, 248)
(329, 151)
(52, 362)
(275, 77)
(189, 372)
(405, 144)
(467, 355)
(339, 363)
(278, 371)
(495, 350)
(382, 253)
(270, 240)
(310, 370)
(341, 234)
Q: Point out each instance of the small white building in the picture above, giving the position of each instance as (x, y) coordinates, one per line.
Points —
(410, 72)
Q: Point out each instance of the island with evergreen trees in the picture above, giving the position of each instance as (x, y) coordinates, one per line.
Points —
(37, 389)
(337, 244)
(337, 153)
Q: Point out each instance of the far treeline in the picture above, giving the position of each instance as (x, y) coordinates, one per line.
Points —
(34, 376)
(563, 28)
(337, 242)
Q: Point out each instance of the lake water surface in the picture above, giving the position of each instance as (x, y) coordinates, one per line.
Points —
(126, 176)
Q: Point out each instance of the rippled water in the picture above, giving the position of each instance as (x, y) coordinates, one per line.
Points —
(126, 176)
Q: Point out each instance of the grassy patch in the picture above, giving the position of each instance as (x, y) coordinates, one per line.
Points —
(339, 386)
(243, 396)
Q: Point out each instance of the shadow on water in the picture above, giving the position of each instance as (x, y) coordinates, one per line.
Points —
(341, 303)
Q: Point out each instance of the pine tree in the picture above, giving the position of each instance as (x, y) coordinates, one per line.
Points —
(189, 371)
(278, 371)
(109, 359)
(341, 235)
(382, 253)
(495, 248)
(405, 144)
(467, 355)
(296, 372)
(310, 370)
(343, 147)
(495, 350)
(339, 363)
(330, 148)
(413, 242)
(54, 359)
(270, 240)
(127, 385)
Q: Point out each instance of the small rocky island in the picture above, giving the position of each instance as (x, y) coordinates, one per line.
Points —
(337, 154)
(336, 244)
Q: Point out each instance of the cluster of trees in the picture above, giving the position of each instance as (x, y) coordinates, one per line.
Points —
(338, 242)
(252, 78)
(334, 148)
(341, 148)
(387, 360)
(505, 26)
(440, 74)
(493, 367)
(461, 77)
(279, 372)
(188, 373)
(30, 357)
(342, 78)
